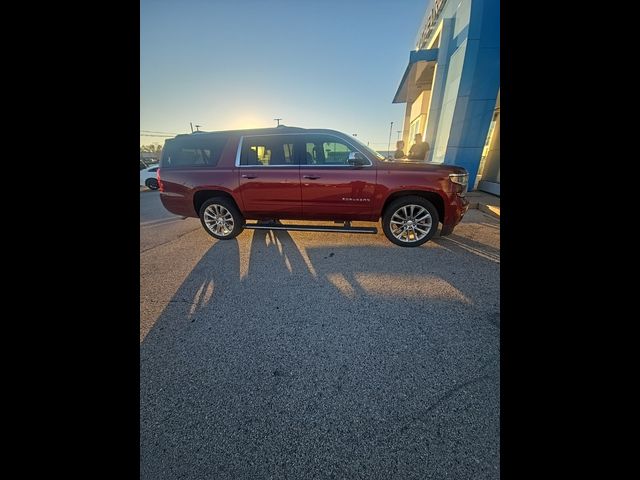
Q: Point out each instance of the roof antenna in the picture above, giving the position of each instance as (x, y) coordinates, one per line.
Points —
(277, 120)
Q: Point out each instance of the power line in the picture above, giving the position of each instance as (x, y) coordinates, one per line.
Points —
(157, 131)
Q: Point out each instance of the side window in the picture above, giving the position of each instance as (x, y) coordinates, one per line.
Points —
(260, 154)
(193, 156)
(336, 153)
(326, 150)
(288, 153)
(264, 151)
(315, 153)
(193, 152)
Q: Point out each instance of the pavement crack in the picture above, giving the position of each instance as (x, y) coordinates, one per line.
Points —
(455, 389)
(450, 392)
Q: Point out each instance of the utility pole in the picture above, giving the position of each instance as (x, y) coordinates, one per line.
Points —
(198, 128)
(277, 120)
(389, 144)
(191, 123)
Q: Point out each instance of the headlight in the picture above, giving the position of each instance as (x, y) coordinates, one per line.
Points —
(461, 181)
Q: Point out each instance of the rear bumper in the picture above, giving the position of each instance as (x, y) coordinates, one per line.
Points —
(454, 212)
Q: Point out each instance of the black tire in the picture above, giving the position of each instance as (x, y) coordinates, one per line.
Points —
(229, 205)
(152, 183)
(401, 202)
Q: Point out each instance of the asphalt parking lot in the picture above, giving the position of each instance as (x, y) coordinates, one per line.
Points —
(318, 355)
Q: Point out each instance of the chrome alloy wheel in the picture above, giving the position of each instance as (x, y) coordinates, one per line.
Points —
(411, 223)
(218, 219)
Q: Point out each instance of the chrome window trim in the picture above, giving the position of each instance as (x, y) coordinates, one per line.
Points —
(295, 165)
(335, 166)
(239, 151)
(299, 165)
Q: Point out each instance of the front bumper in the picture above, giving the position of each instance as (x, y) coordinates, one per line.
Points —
(456, 211)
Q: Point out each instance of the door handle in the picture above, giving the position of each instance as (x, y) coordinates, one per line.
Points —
(248, 176)
(311, 177)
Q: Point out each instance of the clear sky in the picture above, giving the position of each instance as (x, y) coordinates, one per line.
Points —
(227, 64)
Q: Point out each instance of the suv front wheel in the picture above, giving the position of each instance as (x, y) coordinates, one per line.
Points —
(410, 221)
(221, 218)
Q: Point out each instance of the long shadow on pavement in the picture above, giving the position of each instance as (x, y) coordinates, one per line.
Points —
(347, 362)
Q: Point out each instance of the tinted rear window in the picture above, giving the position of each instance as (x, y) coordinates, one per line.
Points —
(192, 152)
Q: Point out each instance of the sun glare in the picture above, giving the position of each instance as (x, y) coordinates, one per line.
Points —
(248, 121)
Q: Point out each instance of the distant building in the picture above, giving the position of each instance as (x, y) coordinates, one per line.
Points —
(452, 88)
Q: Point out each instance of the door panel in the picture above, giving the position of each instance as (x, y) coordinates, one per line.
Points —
(269, 177)
(331, 187)
(337, 193)
(271, 192)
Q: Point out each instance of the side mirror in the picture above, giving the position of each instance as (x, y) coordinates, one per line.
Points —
(357, 159)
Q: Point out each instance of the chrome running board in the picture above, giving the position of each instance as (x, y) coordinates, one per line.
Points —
(310, 228)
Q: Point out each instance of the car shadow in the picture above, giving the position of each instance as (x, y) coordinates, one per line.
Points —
(278, 360)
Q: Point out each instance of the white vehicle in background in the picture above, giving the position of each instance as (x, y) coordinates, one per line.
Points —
(148, 176)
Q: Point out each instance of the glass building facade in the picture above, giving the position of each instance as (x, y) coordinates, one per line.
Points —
(451, 88)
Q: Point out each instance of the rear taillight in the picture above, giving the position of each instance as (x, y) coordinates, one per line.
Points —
(160, 184)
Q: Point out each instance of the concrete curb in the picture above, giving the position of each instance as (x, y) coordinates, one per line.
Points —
(485, 202)
(491, 210)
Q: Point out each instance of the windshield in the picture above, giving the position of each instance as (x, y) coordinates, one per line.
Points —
(367, 149)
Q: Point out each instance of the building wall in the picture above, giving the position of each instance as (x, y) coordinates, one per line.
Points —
(466, 82)
(490, 171)
(406, 127)
(419, 110)
(450, 99)
(478, 88)
(492, 164)
(419, 107)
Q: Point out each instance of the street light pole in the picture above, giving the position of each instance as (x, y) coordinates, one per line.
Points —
(389, 144)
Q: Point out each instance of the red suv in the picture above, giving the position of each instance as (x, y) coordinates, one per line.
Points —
(226, 178)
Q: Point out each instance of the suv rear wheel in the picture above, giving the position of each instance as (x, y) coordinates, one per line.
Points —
(221, 218)
(410, 221)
